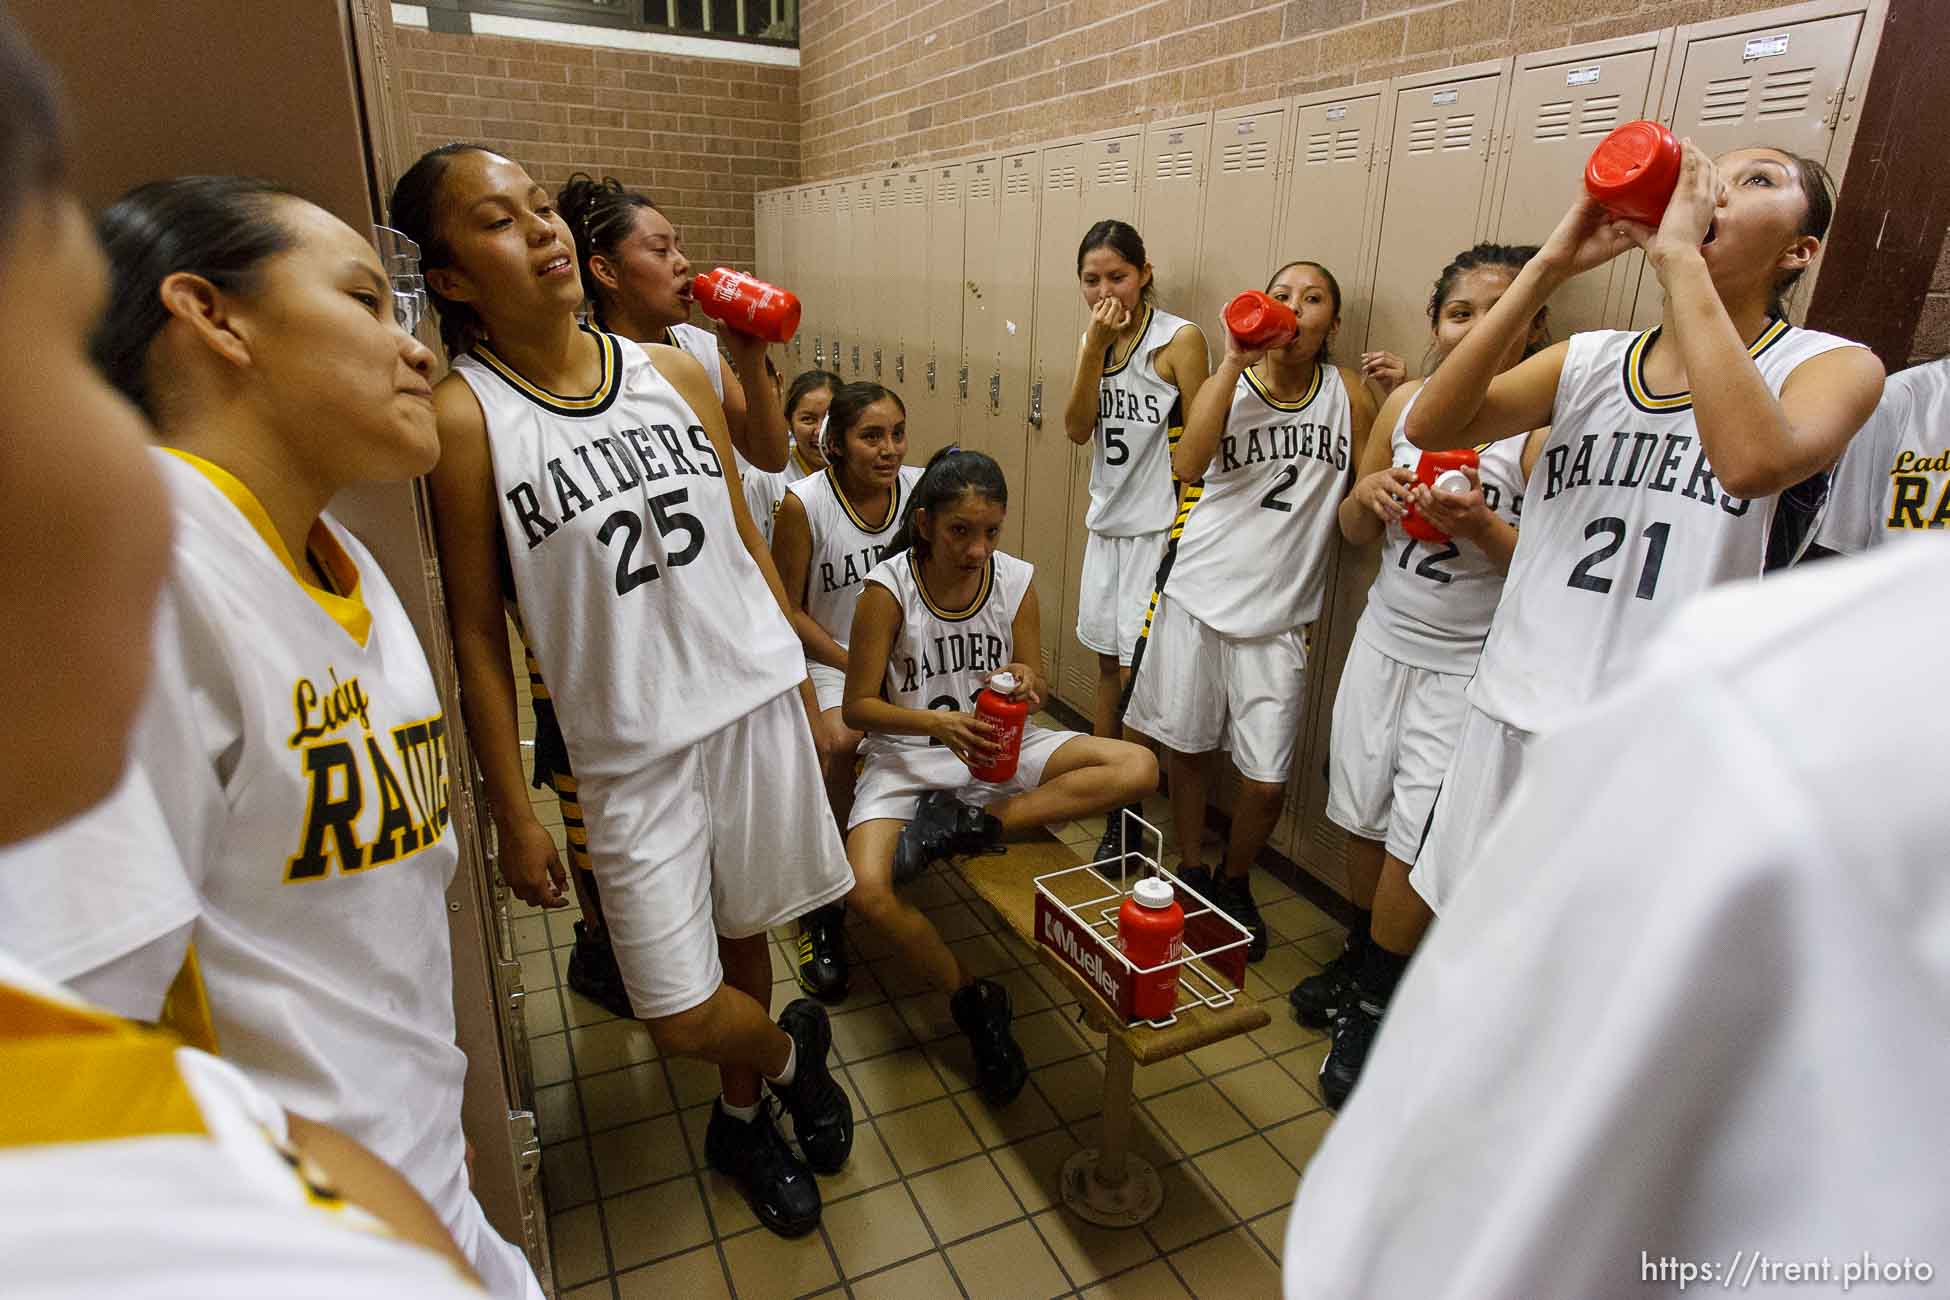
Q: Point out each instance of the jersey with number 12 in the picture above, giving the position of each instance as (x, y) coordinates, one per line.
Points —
(1622, 521)
(652, 623)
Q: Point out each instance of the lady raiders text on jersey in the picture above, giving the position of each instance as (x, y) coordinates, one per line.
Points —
(1431, 602)
(1623, 520)
(653, 625)
(1250, 557)
(1139, 417)
(941, 657)
(845, 547)
(1894, 481)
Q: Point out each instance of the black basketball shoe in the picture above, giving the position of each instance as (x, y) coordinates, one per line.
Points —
(777, 1185)
(1234, 895)
(1111, 847)
(822, 968)
(982, 1011)
(594, 974)
(1317, 999)
(943, 826)
(822, 1114)
(1355, 1028)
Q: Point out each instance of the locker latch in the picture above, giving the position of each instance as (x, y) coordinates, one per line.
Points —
(876, 363)
(527, 1144)
(964, 383)
(900, 367)
(819, 353)
(799, 347)
(856, 358)
(995, 392)
(1036, 404)
(930, 374)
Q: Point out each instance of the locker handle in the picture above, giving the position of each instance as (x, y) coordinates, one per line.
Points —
(964, 383)
(1036, 405)
(995, 392)
(819, 353)
(876, 363)
(856, 358)
(900, 367)
(930, 374)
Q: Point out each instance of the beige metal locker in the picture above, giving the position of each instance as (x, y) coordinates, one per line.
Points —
(817, 218)
(909, 303)
(1437, 193)
(1788, 79)
(1111, 165)
(1242, 181)
(1170, 205)
(1331, 207)
(879, 299)
(982, 200)
(1012, 303)
(852, 234)
(791, 358)
(1562, 103)
(947, 231)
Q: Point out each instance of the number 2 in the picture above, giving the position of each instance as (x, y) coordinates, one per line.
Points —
(1271, 501)
(1614, 528)
(1116, 450)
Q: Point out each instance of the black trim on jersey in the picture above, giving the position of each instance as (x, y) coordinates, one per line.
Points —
(555, 403)
(1797, 516)
(1193, 493)
(1149, 313)
(1640, 393)
(893, 504)
(1265, 394)
(953, 616)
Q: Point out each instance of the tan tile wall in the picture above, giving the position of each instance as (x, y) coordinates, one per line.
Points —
(885, 81)
(1933, 330)
(701, 136)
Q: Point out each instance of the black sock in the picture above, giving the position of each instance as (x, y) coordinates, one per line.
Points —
(1381, 971)
(1359, 934)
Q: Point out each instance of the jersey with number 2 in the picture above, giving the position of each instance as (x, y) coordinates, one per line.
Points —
(1622, 521)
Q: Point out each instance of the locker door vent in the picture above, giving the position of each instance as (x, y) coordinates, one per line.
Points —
(1598, 115)
(1061, 178)
(1244, 157)
(1553, 120)
(1459, 131)
(1785, 93)
(915, 194)
(946, 192)
(982, 186)
(1324, 147)
(1018, 182)
(1114, 171)
(1423, 134)
(1177, 165)
(1725, 99)
(1347, 144)
(1320, 148)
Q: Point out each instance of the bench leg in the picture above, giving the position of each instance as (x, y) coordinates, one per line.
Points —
(1111, 1186)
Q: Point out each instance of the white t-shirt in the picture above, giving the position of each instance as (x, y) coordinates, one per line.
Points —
(1894, 480)
(1695, 1004)
(135, 1168)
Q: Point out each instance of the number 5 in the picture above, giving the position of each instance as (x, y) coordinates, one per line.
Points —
(1116, 450)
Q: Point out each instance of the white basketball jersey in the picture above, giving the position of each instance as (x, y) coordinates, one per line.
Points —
(1430, 604)
(652, 623)
(845, 547)
(1623, 520)
(1139, 418)
(942, 658)
(1250, 558)
(702, 344)
(1894, 480)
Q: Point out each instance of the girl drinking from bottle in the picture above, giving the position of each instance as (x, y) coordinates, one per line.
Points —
(832, 529)
(594, 480)
(940, 617)
(1222, 659)
(1400, 701)
(1138, 370)
(1690, 454)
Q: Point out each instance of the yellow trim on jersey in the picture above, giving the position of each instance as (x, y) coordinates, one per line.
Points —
(1641, 393)
(1145, 328)
(186, 1007)
(806, 467)
(953, 616)
(590, 404)
(342, 603)
(893, 504)
(75, 1074)
(1265, 394)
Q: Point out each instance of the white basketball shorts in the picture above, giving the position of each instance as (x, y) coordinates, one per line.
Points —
(730, 837)
(1196, 690)
(898, 774)
(1395, 729)
(1488, 760)
(1115, 590)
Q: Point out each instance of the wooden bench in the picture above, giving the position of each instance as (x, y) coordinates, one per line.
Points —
(1110, 1185)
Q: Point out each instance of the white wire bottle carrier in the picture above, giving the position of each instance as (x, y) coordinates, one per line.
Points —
(1076, 918)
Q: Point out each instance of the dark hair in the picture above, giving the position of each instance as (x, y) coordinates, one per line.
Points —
(1120, 238)
(850, 402)
(413, 211)
(950, 472)
(1478, 257)
(1333, 286)
(601, 215)
(221, 228)
(31, 156)
(1819, 187)
(807, 382)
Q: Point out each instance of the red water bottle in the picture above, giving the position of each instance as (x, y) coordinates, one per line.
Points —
(1006, 716)
(747, 304)
(1633, 171)
(1258, 321)
(1151, 931)
(1441, 471)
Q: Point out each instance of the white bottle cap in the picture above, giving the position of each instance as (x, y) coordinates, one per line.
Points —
(1452, 481)
(1003, 683)
(1153, 891)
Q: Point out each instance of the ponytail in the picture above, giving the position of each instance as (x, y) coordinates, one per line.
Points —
(951, 472)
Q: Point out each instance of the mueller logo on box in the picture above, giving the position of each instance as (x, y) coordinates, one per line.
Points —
(1084, 953)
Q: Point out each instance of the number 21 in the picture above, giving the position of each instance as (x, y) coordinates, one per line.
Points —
(1614, 529)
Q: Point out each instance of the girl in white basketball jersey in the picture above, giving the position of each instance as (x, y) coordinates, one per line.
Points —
(1138, 369)
(1222, 661)
(1400, 702)
(1895, 480)
(832, 529)
(940, 617)
(595, 478)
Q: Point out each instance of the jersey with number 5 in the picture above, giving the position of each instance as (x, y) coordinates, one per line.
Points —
(1249, 557)
(652, 623)
(1431, 602)
(1623, 520)
(1139, 417)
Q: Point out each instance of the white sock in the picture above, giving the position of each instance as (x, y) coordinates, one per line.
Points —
(784, 1077)
(743, 1114)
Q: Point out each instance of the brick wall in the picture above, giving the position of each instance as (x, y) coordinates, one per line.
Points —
(1933, 329)
(700, 136)
(903, 80)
